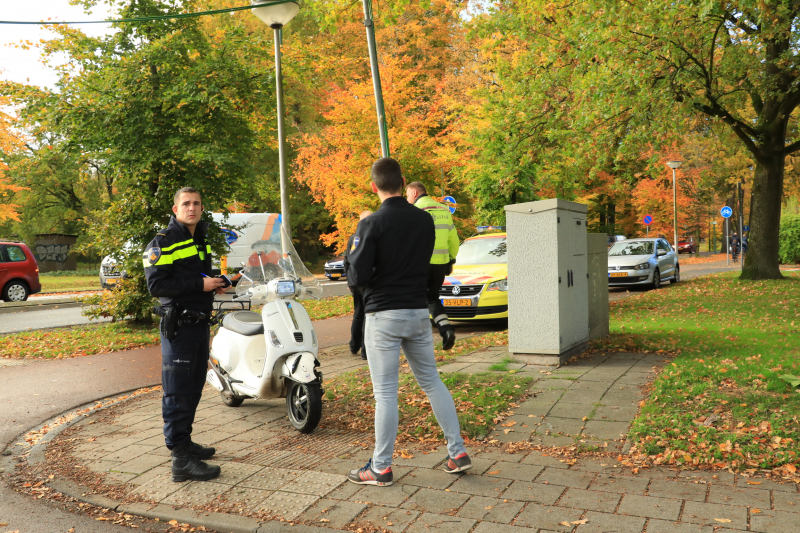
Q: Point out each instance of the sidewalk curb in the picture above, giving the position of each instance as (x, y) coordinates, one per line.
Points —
(38, 306)
(224, 523)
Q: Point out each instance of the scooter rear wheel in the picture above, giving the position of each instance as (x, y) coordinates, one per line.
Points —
(304, 405)
(230, 399)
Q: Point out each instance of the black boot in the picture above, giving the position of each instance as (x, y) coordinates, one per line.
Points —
(448, 338)
(186, 467)
(201, 452)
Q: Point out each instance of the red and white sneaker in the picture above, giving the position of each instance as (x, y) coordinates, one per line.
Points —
(369, 476)
(458, 464)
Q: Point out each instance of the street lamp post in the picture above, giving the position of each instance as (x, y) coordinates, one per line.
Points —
(276, 16)
(376, 77)
(673, 165)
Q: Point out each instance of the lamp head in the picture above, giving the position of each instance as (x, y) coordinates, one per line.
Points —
(674, 164)
(276, 15)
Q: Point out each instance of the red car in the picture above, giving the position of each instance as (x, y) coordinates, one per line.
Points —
(19, 273)
(687, 245)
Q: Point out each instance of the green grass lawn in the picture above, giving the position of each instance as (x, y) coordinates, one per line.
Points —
(76, 341)
(69, 283)
(721, 401)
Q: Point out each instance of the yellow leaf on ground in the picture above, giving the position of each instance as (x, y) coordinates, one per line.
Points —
(754, 482)
(493, 472)
(579, 522)
(723, 520)
(564, 523)
(755, 511)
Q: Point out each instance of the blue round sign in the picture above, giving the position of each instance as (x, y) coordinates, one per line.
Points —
(726, 212)
(647, 220)
(746, 228)
(230, 235)
(450, 202)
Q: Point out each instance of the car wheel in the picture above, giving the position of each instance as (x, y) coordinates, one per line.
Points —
(16, 291)
(656, 279)
(677, 277)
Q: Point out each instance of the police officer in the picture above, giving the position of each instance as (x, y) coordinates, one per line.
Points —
(444, 255)
(177, 263)
(357, 326)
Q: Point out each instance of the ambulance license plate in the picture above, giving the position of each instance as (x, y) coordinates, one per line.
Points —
(456, 302)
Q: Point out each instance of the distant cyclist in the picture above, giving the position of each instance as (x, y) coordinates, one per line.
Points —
(735, 244)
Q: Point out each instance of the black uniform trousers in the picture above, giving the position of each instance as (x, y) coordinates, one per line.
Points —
(358, 324)
(184, 364)
(436, 275)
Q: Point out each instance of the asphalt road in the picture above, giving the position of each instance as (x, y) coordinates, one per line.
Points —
(29, 319)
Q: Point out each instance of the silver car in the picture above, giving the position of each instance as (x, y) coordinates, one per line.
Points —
(642, 262)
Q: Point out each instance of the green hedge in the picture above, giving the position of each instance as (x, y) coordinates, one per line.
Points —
(65, 273)
(789, 250)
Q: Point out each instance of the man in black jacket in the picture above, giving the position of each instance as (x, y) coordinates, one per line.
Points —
(389, 260)
(177, 264)
(357, 326)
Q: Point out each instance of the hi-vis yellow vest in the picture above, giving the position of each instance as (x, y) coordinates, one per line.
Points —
(446, 247)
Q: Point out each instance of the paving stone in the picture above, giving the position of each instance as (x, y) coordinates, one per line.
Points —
(212, 436)
(315, 483)
(512, 435)
(158, 487)
(744, 497)
(332, 513)
(238, 498)
(605, 465)
(195, 494)
(341, 467)
(538, 458)
(527, 491)
(605, 523)
(440, 523)
(435, 501)
(150, 474)
(102, 466)
(565, 478)
(391, 496)
(786, 501)
(567, 426)
(388, 518)
(490, 527)
(287, 505)
(562, 409)
(345, 492)
(127, 453)
(775, 522)
(622, 398)
(535, 407)
(717, 477)
(422, 460)
(479, 466)
(113, 445)
(766, 484)
(705, 513)
(491, 509)
(619, 483)
(424, 477)
(271, 478)
(584, 397)
(615, 413)
(552, 440)
(590, 500)
(606, 430)
(663, 526)
(677, 490)
(650, 507)
(499, 456)
(545, 517)
(517, 471)
(141, 464)
(480, 485)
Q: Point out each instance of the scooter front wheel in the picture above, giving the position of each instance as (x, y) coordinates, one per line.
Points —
(304, 404)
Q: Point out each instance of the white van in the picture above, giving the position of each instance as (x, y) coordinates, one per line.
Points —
(244, 232)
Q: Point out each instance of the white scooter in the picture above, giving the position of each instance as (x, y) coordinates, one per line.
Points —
(272, 354)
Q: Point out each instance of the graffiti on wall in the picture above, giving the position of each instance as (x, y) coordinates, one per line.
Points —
(52, 252)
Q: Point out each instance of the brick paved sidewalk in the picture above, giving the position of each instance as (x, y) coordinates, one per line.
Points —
(268, 469)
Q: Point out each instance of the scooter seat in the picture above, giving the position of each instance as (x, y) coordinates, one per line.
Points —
(245, 323)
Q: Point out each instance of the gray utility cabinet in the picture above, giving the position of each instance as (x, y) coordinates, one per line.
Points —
(548, 300)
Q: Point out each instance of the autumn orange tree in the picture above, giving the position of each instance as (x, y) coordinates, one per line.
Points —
(9, 144)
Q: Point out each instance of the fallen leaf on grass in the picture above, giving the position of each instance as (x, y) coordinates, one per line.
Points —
(723, 520)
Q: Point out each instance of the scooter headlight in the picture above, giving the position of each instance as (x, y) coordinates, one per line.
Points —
(286, 288)
(273, 338)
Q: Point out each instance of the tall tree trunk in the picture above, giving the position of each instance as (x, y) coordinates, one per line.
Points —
(762, 260)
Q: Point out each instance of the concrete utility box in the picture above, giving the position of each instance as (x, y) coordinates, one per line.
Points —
(548, 300)
(597, 244)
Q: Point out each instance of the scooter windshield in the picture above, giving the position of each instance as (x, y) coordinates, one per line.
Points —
(277, 258)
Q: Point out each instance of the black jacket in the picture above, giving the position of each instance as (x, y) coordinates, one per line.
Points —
(174, 262)
(346, 261)
(389, 256)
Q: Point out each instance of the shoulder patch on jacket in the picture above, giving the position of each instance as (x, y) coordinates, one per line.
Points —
(356, 240)
(154, 255)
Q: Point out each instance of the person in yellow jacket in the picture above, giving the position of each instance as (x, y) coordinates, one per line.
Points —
(444, 255)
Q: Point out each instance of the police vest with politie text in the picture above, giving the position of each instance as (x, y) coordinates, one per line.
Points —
(174, 264)
(445, 249)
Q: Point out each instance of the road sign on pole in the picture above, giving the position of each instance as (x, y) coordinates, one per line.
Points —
(647, 220)
(450, 202)
(746, 227)
(726, 212)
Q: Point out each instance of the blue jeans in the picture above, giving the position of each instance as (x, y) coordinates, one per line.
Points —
(409, 329)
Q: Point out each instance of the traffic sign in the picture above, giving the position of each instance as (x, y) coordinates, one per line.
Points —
(647, 220)
(450, 202)
(230, 235)
(726, 212)
(746, 228)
